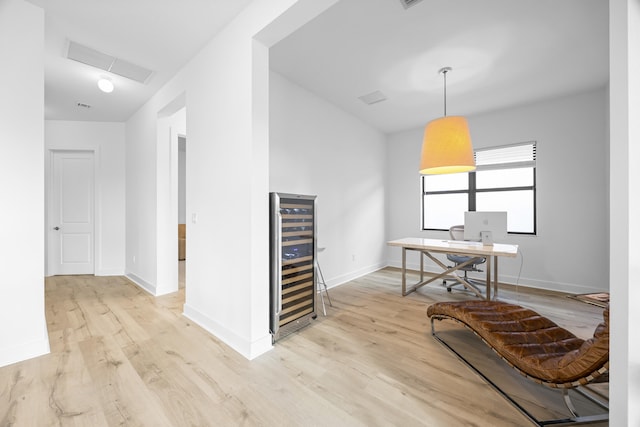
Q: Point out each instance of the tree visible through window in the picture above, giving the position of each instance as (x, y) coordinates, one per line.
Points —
(504, 180)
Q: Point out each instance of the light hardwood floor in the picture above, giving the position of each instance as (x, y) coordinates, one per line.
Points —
(121, 357)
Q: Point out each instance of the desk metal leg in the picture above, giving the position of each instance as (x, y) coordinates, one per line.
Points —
(404, 271)
(495, 277)
(488, 292)
(448, 273)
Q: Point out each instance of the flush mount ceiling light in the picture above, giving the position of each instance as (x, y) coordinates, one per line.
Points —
(446, 147)
(105, 85)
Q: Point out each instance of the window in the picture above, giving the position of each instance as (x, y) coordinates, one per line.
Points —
(504, 180)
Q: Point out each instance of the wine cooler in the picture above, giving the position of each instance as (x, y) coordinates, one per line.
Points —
(292, 257)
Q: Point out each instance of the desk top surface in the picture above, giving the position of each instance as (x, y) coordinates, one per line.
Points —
(448, 246)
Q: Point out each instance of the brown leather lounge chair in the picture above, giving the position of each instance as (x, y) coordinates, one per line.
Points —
(535, 346)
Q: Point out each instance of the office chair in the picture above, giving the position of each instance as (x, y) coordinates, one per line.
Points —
(457, 233)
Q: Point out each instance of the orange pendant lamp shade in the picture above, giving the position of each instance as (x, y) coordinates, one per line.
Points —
(446, 147)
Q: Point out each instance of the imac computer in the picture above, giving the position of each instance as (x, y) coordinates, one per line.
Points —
(485, 227)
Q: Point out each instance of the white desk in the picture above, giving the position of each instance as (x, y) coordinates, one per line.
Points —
(427, 247)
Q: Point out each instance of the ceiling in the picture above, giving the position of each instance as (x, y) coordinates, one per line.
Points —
(160, 35)
(503, 53)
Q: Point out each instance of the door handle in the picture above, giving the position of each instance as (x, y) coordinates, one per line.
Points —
(56, 228)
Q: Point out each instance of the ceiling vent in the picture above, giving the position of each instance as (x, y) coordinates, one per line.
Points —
(373, 97)
(408, 3)
(114, 65)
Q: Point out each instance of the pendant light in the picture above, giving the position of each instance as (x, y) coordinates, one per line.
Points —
(446, 147)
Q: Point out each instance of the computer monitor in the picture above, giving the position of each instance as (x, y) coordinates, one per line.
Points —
(485, 227)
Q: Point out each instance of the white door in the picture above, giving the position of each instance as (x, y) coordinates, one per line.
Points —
(72, 213)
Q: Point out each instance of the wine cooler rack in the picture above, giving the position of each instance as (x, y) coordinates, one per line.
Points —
(293, 252)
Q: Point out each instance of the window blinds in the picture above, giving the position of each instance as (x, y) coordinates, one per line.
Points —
(518, 155)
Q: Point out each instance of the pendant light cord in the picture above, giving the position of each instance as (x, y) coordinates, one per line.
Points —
(445, 92)
(444, 72)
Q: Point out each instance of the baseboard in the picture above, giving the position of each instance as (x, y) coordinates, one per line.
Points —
(569, 288)
(526, 282)
(15, 354)
(112, 272)
(144, 285)
(248, 349)
(345, 278)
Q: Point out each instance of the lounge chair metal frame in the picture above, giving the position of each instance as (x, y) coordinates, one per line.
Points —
(580, 387)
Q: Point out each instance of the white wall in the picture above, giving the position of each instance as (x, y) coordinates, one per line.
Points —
(624, 44)
(141, 208)
(319, 149)
(23, 332)
(151, 192)
(107, 142)
(226, 89)
(570, 251)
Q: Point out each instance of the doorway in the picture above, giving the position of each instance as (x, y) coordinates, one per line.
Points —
(171, 126)
(71, 213)
(182, 214)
